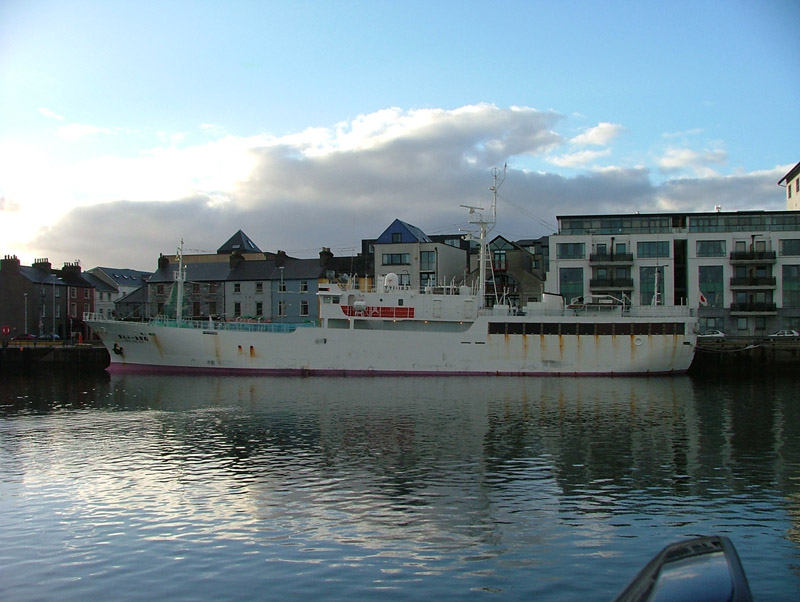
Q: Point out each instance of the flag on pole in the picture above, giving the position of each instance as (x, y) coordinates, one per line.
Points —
(703, 300)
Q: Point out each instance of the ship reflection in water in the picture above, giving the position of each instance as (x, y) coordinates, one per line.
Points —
(281, 488)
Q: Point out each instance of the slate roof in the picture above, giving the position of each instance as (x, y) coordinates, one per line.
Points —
(239, 242)
(124, 276)
(408, 233)
(98, 283)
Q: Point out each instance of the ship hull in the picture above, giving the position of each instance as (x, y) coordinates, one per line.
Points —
(381, 350)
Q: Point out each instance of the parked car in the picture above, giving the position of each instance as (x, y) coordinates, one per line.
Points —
(49, 337)
(785, 333)
(24, 337)
(712, 333)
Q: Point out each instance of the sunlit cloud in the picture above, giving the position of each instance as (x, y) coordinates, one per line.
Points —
(578, 159)
(50, 114)
(600, 135)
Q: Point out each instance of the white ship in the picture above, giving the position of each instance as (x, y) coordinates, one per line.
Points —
(441, 330)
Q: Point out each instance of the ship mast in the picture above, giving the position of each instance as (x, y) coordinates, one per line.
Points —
(180, 278)
(485, 225)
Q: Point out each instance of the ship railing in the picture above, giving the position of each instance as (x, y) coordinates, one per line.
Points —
(237, 326)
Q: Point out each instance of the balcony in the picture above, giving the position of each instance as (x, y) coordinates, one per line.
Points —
(753, 256)
(762, 282)
(754, 308)
(611, 258)
(611, 283)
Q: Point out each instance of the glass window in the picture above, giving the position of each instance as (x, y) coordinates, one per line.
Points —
(397, 237)
(712, 286)
(570, 250)
(237, 287)
(237, 309)
(281, 308)
(303, 286)
(790, 246)
(303, 308)
(259, 287)
(570, 283)
(259, 308)
(427, 260)
(711, 248)
(658, 248)
(791, 285)
(396, 259)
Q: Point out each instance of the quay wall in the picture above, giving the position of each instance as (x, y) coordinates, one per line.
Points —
(19, 357)
(744, 356)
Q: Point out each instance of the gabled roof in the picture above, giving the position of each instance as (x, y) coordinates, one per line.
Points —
(408, 233)
(98, 283)
(239, 242)
(122, 276)
(790, 174)
(37, 276)
(136, 296)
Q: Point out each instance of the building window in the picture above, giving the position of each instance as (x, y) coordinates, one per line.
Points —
(427, 279)
(195, 288)
(303, 286)
(499, 259)
(73, 292)
(791, 285)
(196, 309)
(790, 246)
(259, 308)
(647, 285)
(237, 287)
(712, 286)
(212, 308)
(649, 249)
(570, 283)
(570, 250)
(397, 237)
(237, 309)
(427, 260)
(282, 286)
(73, 309)
(404, 279)
(86, 293)
(711, 248)
(396, 259)
(741, 324)
(281, 308)
(303, 308)
(259, 288)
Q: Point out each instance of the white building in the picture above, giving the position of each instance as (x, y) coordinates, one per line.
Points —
(741, 268)
(792, 183)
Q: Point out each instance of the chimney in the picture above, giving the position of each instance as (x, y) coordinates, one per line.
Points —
(9, 264)
(325, 256)
(74, 267)
(43, 265)
(163, 262)
(280, 259)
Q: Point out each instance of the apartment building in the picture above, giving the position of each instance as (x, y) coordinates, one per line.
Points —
(741, 269)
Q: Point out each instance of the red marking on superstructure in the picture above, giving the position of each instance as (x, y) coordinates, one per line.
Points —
(378, 312)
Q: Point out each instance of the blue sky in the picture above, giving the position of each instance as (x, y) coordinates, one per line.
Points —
(125, 126)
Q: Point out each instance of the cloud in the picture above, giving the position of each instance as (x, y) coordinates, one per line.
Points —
(600, 135)
(74, 131)
(697, 162)
(335, 186)
(50, 114)
(578, 159)
(8, 205)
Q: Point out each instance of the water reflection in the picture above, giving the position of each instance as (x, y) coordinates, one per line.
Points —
(411, 477)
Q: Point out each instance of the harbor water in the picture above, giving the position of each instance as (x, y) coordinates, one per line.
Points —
(131, 487)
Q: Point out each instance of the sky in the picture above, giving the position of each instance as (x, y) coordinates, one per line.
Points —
(128, 126)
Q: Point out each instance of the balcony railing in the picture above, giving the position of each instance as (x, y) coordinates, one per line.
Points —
(611, 258)
(753, 256)
(754, 282)
(609, 283)
(753, 307)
